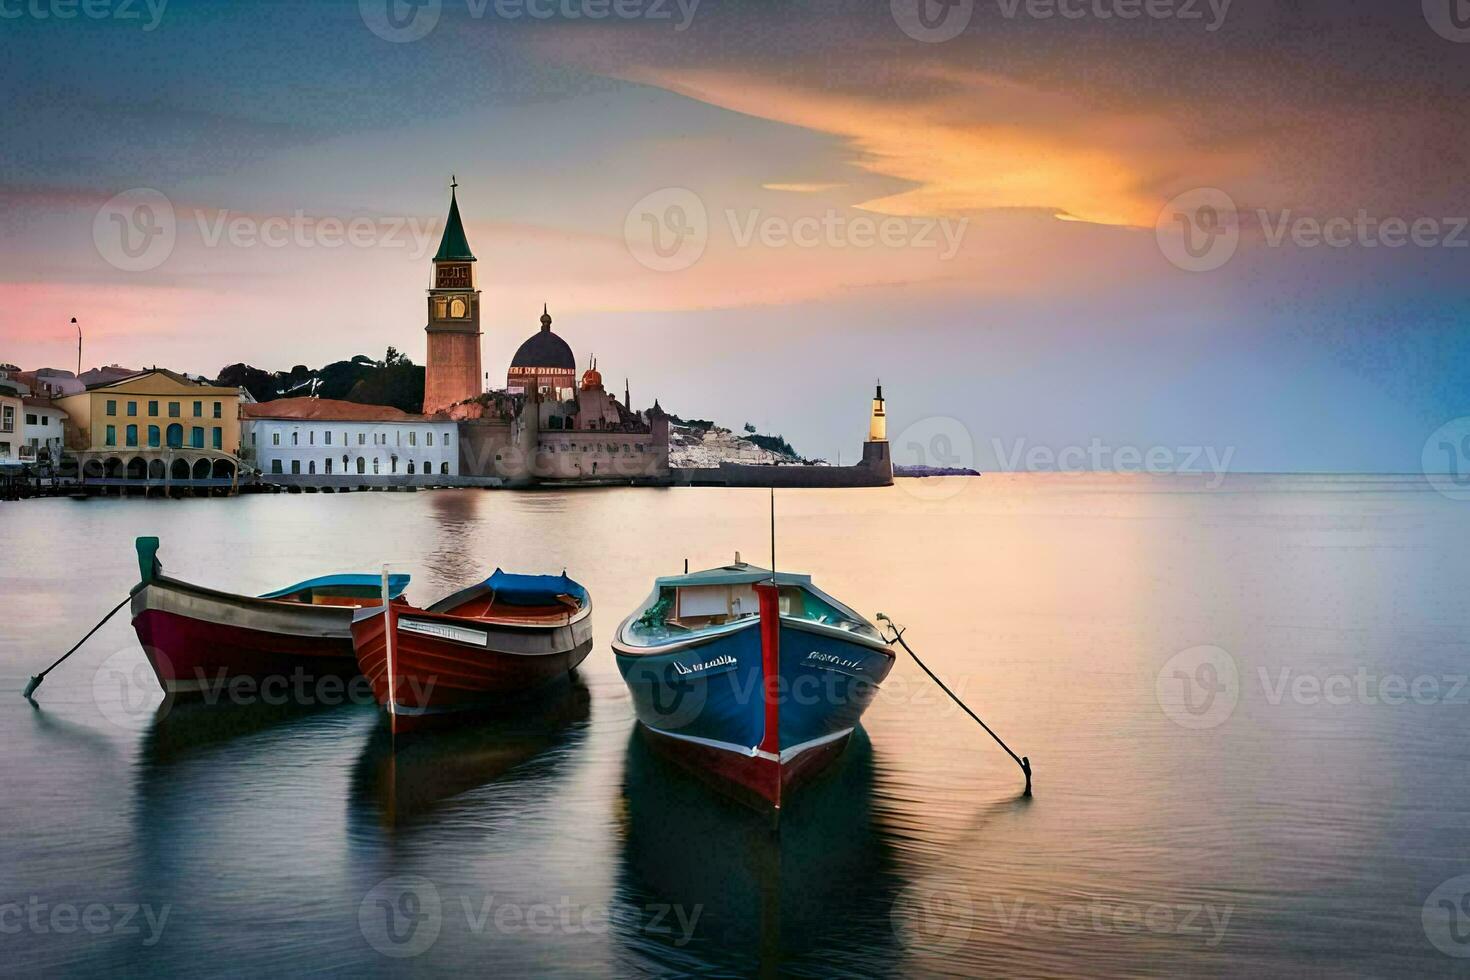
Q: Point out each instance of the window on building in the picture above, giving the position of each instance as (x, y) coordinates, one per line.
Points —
(295, 438)
(275, 466)
(444, 469)
(638, 446)
(196, 437)
(327, 436)
(329, 465)
(361, 438)
(446, 440)
(173, 410)
(393, 464)
(111, 407)
(429, 467)
(275, 438)
(311, 437)
(131, 435)
(31, 419)
(198, 409)
(252, 437)
(344, 464)
(311, 466)
(111, 432)
(153, 409)
(153, 436)
(361, 465)
(175, 436)
(132, 410)
(295, 467)
(457, 309)
(45, 420)
(410, 467)
(219, 408)
(375, 465)
(217, 437)
(413, 438)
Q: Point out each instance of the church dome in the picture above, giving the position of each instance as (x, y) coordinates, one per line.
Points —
(545, 350)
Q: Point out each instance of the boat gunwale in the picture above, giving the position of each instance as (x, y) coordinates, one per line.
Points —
(367, 612)
(623, 648)
(166, 582)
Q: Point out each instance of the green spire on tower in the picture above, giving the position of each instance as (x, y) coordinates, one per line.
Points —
(454, 246)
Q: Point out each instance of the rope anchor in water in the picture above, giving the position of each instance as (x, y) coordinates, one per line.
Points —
(1023, 761)
(35, 681)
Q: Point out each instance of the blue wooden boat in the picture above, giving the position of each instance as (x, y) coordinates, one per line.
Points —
(754, 678)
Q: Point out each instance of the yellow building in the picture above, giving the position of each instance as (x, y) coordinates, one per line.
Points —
(157, 427)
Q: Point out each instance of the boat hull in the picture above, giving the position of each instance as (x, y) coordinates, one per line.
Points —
(199, 642)
(706, 703)
(446, 666)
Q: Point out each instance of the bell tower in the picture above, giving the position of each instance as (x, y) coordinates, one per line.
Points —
(452, 372)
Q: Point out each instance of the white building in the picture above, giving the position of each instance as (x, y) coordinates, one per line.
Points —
(43, 431)
(324, 437)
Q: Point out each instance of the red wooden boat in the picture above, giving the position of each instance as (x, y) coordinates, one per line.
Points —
(198, 640)
(503, 639)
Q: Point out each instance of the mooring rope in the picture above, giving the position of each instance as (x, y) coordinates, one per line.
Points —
(35, 681)
(1023, 761)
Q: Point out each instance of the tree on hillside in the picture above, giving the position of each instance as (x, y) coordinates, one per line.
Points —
(261, 384)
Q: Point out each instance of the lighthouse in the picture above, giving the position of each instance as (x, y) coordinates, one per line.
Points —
(878, 424)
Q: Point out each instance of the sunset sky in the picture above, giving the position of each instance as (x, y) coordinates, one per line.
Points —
(1021, 293)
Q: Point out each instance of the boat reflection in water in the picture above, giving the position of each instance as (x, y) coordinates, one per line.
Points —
(409, 781)
(720, 892)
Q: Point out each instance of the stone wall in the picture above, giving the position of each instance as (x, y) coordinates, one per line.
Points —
(875, 470)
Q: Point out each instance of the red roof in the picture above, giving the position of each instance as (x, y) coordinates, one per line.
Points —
(37, 401)
(325, 410)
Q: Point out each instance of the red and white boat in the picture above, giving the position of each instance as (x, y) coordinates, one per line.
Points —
(492, 643)
(198, 640)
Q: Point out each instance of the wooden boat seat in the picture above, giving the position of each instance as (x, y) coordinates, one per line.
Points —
(485, 607)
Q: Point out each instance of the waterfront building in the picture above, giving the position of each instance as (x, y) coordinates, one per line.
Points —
(452, 367)
(545, 428)
(323, 437)
(155, 427)
(43, 435)
(543, 364)
(11, 423)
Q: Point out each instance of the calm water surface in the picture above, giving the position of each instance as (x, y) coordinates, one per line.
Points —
(1246, 708)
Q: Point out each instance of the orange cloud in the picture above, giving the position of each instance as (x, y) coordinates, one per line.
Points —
(969, 141)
